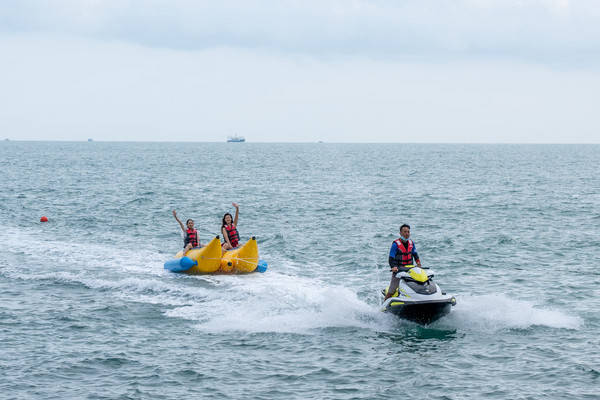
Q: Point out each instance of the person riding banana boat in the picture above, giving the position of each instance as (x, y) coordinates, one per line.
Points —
(190, 235)
(231, 237)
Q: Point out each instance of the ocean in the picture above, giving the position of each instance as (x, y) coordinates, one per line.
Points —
(88, 312)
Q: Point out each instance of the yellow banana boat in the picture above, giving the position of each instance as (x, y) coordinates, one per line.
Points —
(210, 259)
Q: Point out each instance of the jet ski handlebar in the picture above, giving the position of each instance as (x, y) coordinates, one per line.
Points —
(406, 269)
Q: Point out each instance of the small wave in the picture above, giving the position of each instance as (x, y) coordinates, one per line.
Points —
(139, 201)
(497, 312)
(504, 239)
(593, 372)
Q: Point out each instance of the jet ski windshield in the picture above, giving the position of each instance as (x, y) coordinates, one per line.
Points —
(417, 274)
(422, 288)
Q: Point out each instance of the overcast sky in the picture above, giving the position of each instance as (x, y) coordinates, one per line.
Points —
(469, 71)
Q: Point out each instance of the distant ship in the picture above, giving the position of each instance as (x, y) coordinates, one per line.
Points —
(90, 140)
(235, 138)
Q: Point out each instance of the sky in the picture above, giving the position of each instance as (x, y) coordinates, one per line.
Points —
(407, 71)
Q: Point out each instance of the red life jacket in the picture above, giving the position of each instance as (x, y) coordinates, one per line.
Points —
(404, 255)
(232, 233)
(191, 236)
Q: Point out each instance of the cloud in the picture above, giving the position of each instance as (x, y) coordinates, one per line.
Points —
(544, 30)
(75, 89)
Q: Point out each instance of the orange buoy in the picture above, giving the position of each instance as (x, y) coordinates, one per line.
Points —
(44, 219)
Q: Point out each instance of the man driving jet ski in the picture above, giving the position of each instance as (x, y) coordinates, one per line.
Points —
(403, 252)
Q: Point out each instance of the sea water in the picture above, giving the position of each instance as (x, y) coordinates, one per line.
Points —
(88, 312)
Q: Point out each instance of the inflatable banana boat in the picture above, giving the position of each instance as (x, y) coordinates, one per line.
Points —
(210, 259)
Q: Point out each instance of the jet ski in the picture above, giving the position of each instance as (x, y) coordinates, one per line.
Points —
(418, 298)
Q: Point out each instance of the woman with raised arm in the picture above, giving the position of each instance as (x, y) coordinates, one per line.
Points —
(190, 238)
(229, 229)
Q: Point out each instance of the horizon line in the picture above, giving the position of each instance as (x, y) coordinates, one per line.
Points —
(293, 142)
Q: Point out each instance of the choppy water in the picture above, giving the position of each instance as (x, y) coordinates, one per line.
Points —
(87, 311)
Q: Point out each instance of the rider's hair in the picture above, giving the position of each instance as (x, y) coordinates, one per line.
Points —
(405, 226)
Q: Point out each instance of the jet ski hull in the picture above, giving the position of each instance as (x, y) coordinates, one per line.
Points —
(421, 312)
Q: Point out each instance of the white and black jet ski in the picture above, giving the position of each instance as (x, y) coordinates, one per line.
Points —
(418, 298)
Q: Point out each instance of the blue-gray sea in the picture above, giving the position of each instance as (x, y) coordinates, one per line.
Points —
(88, 312)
